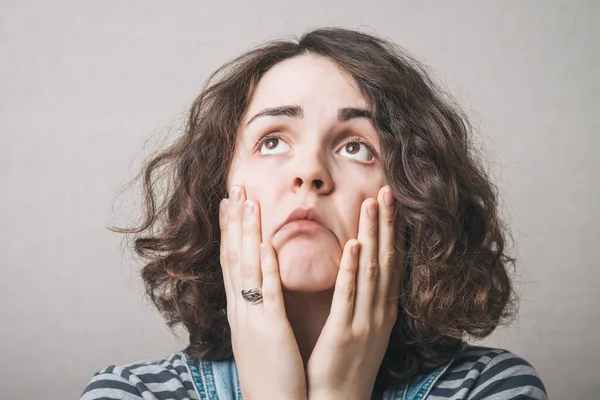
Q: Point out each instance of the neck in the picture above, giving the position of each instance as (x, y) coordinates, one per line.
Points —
(307, 313)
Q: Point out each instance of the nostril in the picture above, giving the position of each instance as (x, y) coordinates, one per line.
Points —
(319, 183)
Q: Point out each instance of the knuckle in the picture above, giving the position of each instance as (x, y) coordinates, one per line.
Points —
(372, 231)
(345, 340)
(389, 220)
(379, 318)
(388, 257)
(231, 258)
(349, 267)
(249, 228)
(247, 270)
(372, 271)
(233, 215)
(363, 330)
(348, 292)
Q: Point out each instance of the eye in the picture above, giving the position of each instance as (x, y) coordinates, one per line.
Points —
(357, 150)
(272, 144)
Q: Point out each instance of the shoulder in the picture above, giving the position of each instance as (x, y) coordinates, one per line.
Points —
(479, 372)
(151, 379)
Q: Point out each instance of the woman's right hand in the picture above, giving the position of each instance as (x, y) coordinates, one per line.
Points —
(264, 346)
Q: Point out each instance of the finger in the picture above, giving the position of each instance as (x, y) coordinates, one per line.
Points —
(368, 266)
(399, 239)
(271, 281)
(234, 239)
(342, 305)
(223, 251)
(386, 250)
(251, 238)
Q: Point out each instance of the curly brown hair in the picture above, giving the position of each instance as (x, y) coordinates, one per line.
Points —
(455, 279)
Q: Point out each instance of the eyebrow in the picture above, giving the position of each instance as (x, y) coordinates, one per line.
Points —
(344, 114)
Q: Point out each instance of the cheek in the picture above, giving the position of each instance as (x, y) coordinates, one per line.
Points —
(261, 190)
(247, 177)
(255, 191)
(348, 208)
(252, 175)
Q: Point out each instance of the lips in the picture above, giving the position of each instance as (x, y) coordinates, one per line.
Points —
(310, 214)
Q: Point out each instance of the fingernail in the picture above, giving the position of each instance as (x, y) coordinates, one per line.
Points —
(372, 210)
(387, 197)
(354, 249)
(248, 209)
(235, 196)
(223, 210)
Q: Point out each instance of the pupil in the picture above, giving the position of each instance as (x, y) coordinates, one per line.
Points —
(271, 143)
(352, 147)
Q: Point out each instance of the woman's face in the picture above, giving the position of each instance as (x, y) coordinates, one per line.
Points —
(312, 153)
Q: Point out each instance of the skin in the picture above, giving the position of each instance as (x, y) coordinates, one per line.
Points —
(282, 177)
(329, 293)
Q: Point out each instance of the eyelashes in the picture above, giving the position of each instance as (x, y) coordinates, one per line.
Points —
(265, 138)
(352, 139)
(357, 139)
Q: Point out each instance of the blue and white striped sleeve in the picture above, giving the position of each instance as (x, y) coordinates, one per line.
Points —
(508, 376)
(107, 384)
(484, 373)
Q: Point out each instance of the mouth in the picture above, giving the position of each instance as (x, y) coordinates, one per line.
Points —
(304, 221)
(304, 226)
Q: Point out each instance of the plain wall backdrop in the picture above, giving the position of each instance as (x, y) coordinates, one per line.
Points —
(88, 89)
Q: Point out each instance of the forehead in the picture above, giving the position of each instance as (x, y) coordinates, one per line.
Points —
(314, 83)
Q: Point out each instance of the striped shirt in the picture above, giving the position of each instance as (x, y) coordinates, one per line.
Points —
(476, 373)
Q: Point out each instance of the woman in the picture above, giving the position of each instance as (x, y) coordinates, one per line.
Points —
(327, 234)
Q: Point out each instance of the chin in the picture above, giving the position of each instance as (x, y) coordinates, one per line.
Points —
(308, 268)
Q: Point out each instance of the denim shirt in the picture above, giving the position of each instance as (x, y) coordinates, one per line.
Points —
(218, 380)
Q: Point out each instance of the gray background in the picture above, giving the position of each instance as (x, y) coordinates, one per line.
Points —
(88, 89)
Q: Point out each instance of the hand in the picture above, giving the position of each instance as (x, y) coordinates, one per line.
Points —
(264, 347)
(350, 349)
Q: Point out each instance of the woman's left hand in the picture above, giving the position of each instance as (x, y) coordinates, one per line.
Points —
(350, 349)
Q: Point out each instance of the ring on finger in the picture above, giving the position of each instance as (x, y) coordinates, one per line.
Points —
(253, 295)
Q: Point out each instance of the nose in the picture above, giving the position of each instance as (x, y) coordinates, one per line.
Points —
(311, 174)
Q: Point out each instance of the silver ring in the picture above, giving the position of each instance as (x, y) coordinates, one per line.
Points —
(253, 295)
